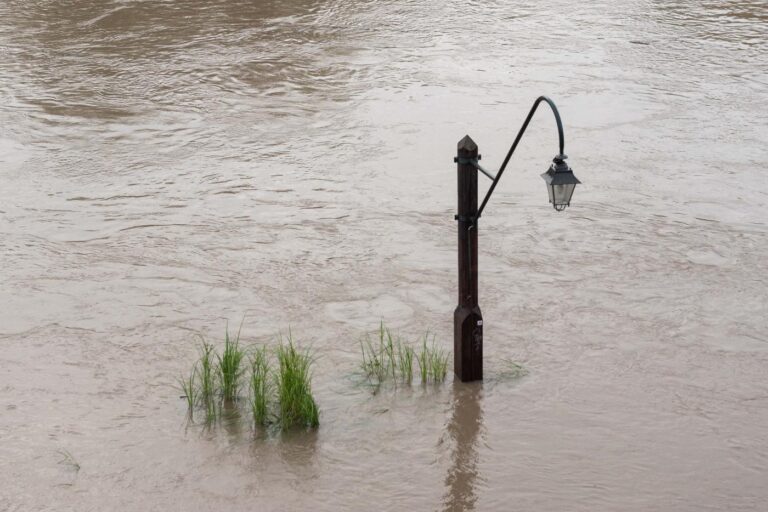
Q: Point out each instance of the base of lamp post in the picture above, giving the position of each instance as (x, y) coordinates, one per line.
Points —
(468, 343)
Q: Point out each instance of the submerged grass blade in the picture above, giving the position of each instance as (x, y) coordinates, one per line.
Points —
(388, 348)
(374, 361)
(423, 360)
(369, 358)
(511, 369)
(68, 459)
(189, 388)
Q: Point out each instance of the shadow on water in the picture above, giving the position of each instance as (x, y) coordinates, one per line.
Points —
(464, 433)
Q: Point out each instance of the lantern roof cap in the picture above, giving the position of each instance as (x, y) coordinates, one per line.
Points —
(559, 173)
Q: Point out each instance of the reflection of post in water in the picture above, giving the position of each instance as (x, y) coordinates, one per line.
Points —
(463, 430)
(231, 420)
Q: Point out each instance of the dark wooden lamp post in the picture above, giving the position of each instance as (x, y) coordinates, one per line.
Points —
(467, 318)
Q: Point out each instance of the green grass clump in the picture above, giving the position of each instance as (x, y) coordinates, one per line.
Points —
(216, 380)
(389, 356)
(229, 367)
(260, 386)
(294, 389)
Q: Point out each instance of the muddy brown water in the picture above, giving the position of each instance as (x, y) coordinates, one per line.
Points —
(166, 167)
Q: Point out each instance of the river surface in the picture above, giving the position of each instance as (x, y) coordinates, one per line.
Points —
(168, 166)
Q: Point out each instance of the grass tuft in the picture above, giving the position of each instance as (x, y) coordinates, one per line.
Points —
(230, 367)
(294, 390)
(438, 364)
(206, 372)
(377, 359)
(260, 386)
(432, 360)
(405, 355)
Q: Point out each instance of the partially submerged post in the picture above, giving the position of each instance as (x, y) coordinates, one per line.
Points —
(467, 318)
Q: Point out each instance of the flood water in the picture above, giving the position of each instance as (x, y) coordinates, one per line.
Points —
(168, 166)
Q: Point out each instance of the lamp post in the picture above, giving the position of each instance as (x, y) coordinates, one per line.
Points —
(467, 318)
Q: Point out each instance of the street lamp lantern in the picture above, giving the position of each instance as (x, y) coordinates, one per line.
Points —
(467, 317)
(560, 183)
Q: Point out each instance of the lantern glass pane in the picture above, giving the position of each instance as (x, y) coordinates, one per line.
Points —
(562, 194)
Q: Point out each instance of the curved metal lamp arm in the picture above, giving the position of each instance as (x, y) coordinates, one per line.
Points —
(517, 141)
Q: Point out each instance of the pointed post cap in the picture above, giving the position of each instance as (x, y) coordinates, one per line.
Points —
(467, 144)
